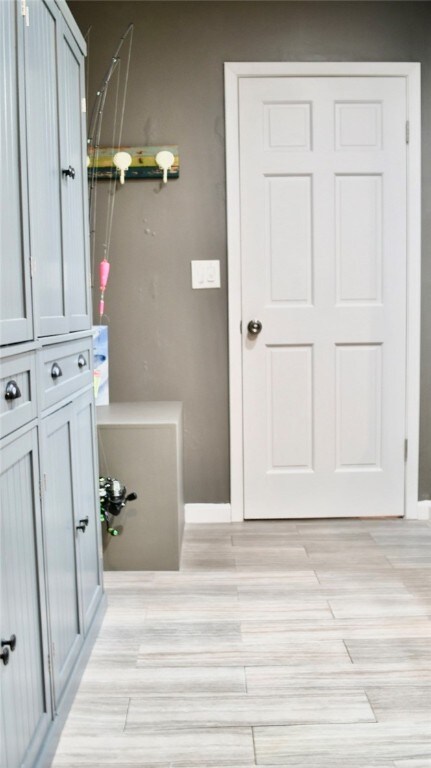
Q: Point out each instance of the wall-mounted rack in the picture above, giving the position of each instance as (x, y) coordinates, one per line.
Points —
(143, 165)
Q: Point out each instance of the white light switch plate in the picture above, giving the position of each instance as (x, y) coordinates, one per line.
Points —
(205, 274)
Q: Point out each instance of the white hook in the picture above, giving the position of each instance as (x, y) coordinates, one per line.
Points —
(164, 160)
(122, 160)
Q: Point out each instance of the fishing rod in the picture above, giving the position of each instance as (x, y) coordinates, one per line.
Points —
(97, 111)
(93, 143)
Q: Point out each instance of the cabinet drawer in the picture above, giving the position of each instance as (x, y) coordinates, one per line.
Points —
(18, 392)
(65, 369)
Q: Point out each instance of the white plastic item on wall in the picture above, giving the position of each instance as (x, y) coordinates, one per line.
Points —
(164, 160)
(122, 161)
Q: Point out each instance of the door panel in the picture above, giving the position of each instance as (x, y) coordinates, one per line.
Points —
(290, 370)
(45, 177)
(323, 242)
(86, 505)
(15, 297)
(358, 238)
(25, 700)
(60, 542)
(289, 247)
(358, 382)
(74, 191)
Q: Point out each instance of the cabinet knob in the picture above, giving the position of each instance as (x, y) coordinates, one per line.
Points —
(12, 391)
(82, 361)
(4, 655)
(69, 172)
(11, 643)
(56, 371)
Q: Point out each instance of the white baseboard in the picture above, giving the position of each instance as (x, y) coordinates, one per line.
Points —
(221, 513)
(207, 513)
(424, 510)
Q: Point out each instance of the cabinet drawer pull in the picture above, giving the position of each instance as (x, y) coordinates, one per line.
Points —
(12, 391)
(56, 371)
(82, 527)
(11, 643)
(69, 172)
(82, 361)
(4, 655)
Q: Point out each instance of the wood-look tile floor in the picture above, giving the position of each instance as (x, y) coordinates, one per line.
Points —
(301, 644)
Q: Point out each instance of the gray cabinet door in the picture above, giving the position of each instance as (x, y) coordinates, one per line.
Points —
(74, 190)
(45, 172)
(60, 545)
(87, 505)
(25, 699)
(57, 178)
(15, 294)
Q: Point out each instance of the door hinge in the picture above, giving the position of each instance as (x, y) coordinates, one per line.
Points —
(40, 491)
(240, 327)
(406, 449)
(25, 12)
(83, 104)
(407, 132)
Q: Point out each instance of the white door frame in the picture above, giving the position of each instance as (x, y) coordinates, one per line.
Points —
(411, 72)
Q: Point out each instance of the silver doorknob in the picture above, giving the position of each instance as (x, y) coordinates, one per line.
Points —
(254, 327)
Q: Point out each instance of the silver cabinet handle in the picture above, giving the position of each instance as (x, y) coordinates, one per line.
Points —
(12, 391)
(56, 371)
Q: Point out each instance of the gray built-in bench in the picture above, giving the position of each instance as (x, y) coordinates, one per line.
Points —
(141, 444)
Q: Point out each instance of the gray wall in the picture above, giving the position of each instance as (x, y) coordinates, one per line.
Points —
(167, 341)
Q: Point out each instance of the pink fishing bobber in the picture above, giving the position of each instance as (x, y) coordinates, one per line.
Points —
(104, 273)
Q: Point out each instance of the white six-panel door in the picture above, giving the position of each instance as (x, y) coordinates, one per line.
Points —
(323, 268)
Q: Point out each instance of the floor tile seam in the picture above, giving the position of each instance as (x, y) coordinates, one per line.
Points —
(127, 714)
(254, 746)
(245, 679)
(359, 725)
(154, 727)
(294, 694)
(296, 684)
(193, 727)
(347, 651)
(371, 705)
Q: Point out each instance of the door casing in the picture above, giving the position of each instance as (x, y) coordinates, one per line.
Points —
(410, 71)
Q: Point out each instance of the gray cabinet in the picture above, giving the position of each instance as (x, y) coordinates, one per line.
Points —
(71, 526)
(43, 212)
(51, 575)
(25, 692)
(58, 223)
(143, 441)
(15, 293)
